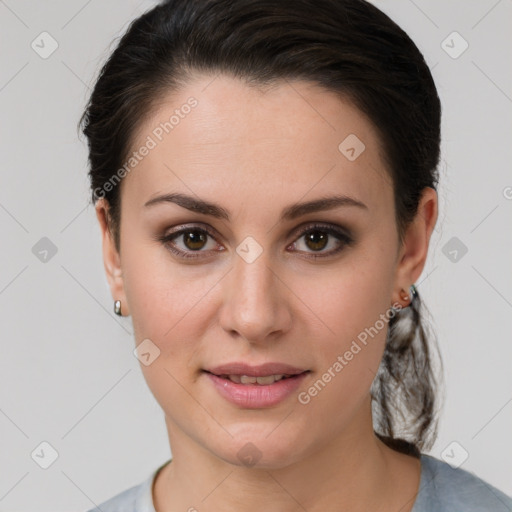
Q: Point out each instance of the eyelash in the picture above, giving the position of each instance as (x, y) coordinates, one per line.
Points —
(345, 240)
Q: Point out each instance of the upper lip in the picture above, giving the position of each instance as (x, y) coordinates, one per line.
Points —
(239, 368)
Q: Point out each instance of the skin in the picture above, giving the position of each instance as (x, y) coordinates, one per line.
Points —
(255, 152)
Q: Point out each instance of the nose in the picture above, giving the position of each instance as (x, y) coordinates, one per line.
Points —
(255, 301)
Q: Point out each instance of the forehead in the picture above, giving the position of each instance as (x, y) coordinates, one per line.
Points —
(220, 136)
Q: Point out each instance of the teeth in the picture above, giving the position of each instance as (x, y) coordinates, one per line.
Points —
(246, 379)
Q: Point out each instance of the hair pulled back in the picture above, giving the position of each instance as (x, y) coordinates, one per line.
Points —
(348, 47)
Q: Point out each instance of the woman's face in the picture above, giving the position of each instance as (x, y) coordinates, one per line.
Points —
(262, 284)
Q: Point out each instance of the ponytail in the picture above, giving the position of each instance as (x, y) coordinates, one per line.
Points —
(404, 397)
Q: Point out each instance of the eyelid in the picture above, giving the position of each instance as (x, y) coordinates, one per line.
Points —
(310, 225)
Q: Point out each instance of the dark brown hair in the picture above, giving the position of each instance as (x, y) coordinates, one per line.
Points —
(346, 46)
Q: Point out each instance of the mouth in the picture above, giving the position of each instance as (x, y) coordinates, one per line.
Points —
(246, 373)
(256, 391)
(264, 380)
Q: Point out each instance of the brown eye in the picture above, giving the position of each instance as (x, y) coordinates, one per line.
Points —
(318, 237)
(194, 239)
(316, 240)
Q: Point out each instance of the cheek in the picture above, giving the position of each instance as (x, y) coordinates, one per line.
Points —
(353, 308)
(152, 288)
(351, 297)
(348, 364)
(167, 309)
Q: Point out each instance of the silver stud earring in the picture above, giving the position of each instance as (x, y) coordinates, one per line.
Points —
(117, 308)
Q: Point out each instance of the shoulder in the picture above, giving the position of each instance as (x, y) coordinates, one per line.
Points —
(135, 499)
(444, 488)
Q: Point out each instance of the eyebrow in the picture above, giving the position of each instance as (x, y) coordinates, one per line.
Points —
(289, 213)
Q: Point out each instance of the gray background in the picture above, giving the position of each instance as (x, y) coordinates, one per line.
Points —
(68, 376)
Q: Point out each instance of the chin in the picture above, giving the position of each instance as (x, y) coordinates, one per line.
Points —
(259, 452)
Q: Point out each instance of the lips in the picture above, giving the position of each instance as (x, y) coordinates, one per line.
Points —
(256, 395)
(255, 386)
(264, 370)
(263, 381)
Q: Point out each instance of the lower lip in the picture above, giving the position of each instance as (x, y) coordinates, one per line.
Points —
(255, 396)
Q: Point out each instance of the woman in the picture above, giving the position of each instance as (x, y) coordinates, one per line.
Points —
(264, 175)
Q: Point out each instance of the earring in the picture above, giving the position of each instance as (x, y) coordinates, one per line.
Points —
(406, 297)
(403, 295)
(117, 308)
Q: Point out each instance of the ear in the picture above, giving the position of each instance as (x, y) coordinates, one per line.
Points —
(111, 257)
(413, 252)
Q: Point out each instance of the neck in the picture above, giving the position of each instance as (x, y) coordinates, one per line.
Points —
(354, 470)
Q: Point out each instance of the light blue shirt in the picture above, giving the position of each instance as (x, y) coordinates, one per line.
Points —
(442, 489)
